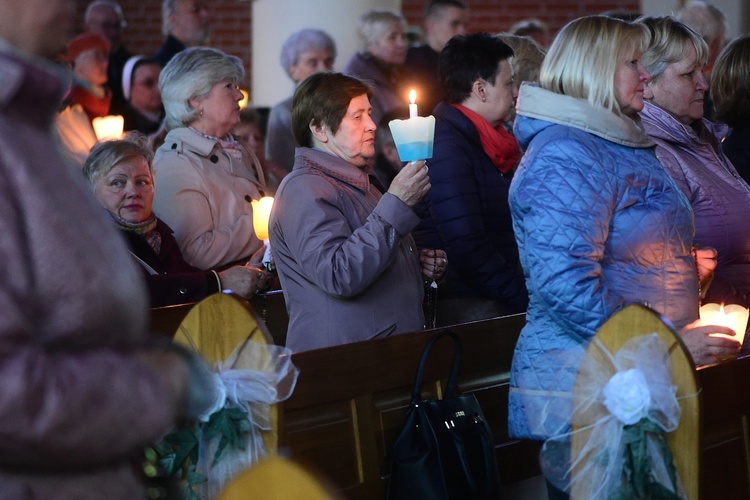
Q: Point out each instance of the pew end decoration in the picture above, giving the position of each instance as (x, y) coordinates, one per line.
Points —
(635, 416)
(251, 375)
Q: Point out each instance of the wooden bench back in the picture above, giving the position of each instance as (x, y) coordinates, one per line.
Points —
(725, 433)
(350, 401)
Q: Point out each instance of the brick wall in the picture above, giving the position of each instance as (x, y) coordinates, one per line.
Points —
(230, 27)
(231, 19)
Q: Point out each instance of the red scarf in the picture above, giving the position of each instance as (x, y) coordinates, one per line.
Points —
(498, 144)
(92, 105)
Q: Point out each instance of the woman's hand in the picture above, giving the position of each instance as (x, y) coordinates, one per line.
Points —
(411, 183)
(244, 280)
(706, 349)
(705, 263)
(434, 263)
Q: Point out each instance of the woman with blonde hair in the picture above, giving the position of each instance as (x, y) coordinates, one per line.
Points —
(599, 223)
(380, 60)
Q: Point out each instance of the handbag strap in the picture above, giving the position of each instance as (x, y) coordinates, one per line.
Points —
(416, 393)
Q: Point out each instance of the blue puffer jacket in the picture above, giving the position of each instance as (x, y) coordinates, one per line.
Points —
(599, 224)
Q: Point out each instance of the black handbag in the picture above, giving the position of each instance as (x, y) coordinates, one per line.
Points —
(445, 448)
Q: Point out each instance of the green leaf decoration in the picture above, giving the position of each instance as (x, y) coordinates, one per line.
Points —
(638, 481)
(178, 451)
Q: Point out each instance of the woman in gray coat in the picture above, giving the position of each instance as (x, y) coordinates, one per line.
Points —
(349, 268)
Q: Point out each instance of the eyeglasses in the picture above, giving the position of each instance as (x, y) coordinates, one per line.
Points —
(149, 83)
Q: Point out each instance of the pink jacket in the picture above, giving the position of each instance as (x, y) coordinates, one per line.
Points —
(74, 404)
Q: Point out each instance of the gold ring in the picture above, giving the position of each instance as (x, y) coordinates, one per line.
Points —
(260, 274)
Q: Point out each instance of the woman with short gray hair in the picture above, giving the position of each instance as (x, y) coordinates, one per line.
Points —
(204, 177)
(380, 60)
(690, 148)
(121, 176)
(304, 53)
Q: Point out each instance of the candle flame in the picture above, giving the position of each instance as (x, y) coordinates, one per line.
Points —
(413, 96)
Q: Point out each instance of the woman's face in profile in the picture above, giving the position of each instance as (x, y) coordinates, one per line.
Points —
(127, 191)
(681, 88)
(220, 109)
(354, 140)
(630, 82)
(391, 47)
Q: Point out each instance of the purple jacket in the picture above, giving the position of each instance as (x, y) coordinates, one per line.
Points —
(719, 196)
(74, 404)
(347, 265)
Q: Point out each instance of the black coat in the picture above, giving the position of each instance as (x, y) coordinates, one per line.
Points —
(177, 281)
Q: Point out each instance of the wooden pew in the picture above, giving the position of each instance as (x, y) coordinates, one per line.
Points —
(350, 402)
(165, 321)
(725, 436)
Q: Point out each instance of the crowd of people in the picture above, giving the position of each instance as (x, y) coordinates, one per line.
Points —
(566, 181)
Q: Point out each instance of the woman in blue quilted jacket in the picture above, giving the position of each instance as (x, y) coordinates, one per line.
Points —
(599, 223)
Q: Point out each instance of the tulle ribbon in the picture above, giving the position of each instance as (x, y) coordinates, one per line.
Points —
(623, 406)
(254, 391)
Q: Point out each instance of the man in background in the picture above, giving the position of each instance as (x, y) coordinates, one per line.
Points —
(185, 23)
(443, 19)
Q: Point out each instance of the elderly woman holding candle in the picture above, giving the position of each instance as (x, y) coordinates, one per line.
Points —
(380, 60)
(689, 148)
(121, 175)
(349, 269)
(599, 222)
(205, 179)
(466, 212)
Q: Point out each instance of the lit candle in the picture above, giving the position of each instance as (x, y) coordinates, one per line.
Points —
(261, 214)
(732, 315)
(413, 104)
(245, 99)
(108, 127)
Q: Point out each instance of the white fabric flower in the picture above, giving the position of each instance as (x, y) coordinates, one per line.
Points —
(627, 396)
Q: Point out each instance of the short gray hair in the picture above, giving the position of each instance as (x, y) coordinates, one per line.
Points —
(190, 75)
(374, 24)
(708, 21)
(107, 154)
(109, 3)
(670, 42)
(302, 41)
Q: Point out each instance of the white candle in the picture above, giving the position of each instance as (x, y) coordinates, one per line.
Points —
(413, 104)
(732, 315)
(108, 127)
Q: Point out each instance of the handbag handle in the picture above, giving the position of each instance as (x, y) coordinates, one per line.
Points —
(416, 393)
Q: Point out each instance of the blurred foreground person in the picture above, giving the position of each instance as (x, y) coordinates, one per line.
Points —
(83, 387)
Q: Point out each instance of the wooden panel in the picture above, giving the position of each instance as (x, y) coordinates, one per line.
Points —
(350, 401)
(725, 408)
(166, 320)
